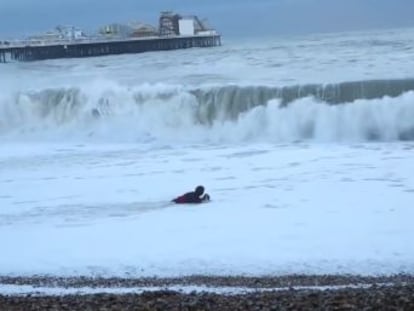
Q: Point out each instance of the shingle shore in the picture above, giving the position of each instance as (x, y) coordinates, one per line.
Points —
(235, 281)
(398, 294)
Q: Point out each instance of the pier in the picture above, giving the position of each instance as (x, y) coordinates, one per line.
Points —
(174, 32)
(70, 49)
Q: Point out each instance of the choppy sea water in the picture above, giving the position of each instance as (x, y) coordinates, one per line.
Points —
(304, 144)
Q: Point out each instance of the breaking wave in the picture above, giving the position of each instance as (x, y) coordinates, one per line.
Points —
(374, 110)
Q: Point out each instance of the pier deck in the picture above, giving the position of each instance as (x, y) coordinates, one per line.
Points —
(32, 51)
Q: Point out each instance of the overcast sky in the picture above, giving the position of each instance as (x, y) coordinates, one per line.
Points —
(231, 17)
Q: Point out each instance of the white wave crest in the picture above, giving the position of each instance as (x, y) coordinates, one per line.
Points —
(385, 119)
(172, 114)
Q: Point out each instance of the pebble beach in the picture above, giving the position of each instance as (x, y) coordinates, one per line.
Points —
(296, 292)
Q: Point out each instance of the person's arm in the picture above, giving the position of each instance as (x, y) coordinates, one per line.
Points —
(196, 199)
(192, 197)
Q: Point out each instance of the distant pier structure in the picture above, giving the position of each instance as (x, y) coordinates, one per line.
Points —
(174, 32)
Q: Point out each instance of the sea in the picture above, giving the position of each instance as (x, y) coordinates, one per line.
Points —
(305, 145)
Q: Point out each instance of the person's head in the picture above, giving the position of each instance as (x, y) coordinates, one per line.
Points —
(199, 190)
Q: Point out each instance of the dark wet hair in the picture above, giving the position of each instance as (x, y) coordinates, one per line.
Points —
(199, 190)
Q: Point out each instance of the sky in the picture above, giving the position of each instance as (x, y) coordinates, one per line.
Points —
(233, 18)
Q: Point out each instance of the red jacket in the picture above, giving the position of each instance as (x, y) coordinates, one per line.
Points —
(191, 197)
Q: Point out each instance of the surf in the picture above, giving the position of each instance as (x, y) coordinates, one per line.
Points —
(372, 110)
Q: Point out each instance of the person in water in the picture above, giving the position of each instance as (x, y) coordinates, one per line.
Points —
(195, 196)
